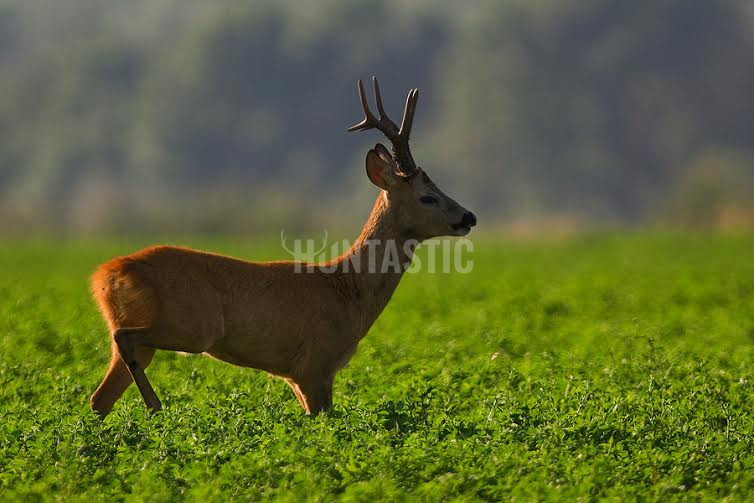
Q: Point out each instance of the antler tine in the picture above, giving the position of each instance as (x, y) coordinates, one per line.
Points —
(370, 120)
(408, 114)
(378, 99)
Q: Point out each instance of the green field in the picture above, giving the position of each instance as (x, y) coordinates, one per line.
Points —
(615, 367)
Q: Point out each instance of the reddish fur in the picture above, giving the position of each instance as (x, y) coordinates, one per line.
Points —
(124, 298)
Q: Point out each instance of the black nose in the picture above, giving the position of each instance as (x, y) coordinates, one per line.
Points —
(469, 219)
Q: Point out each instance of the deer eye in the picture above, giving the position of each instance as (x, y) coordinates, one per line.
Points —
(428, 200)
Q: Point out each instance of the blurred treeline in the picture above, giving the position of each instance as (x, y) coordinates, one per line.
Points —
(192, 115)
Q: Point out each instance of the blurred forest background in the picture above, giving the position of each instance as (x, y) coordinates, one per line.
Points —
(227, 116)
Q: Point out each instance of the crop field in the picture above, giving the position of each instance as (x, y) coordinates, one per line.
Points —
(609, 366)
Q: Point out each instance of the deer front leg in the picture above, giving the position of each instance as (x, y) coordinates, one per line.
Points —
(317, 395)
(297, 392)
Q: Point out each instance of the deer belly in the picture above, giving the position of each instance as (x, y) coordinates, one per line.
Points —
(259, 353)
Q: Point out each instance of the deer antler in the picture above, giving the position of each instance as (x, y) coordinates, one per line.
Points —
(398, 137)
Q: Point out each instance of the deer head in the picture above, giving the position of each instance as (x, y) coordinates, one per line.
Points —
(422, 208)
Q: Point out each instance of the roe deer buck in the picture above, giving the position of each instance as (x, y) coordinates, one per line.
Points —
(300, 326)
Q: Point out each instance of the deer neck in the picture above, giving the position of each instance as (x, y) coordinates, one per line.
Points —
(383, 250)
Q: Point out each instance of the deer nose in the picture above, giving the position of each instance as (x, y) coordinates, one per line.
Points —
(469, 219)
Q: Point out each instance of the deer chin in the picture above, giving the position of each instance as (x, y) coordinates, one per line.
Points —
(460, 229)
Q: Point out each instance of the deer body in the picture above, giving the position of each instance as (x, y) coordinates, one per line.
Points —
(300, 325)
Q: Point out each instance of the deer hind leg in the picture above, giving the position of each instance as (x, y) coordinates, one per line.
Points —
(131, 343)
(116, 381)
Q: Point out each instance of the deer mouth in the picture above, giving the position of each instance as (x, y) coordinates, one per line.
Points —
(464, 226)
(460, 229)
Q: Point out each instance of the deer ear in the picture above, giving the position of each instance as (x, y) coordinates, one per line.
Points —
(380, 167)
